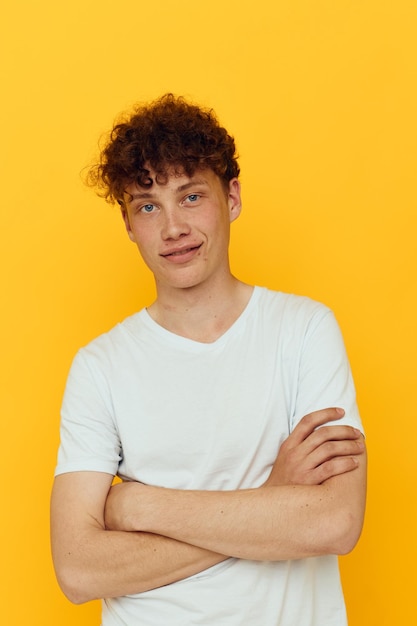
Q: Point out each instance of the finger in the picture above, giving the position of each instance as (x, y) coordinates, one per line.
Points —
(325, 439)
(312, 453)
(333, 433)
(335, 449)
(334, 467)
(310, 422)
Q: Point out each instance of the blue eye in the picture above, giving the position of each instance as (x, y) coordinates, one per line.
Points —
(148, 208)
(193, 197)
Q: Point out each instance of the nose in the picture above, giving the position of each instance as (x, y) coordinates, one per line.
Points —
(175, 225)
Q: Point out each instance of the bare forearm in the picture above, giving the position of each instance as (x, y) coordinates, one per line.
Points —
(113, 563)
(92, 562)
(251, 524)
(312, 504)
(271, 523)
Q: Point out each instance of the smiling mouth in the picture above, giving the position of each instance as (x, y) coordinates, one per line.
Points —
(182, 252)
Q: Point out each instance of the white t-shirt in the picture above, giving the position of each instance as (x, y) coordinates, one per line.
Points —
(149, 405)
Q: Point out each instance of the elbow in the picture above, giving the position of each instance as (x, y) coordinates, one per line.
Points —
(75, 585)
(344, 545)
(77, 596)
(344, 533)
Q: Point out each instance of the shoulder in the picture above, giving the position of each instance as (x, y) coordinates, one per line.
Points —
(109, 347)
(291, 309)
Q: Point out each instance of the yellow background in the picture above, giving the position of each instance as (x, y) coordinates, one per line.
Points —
(322, 99)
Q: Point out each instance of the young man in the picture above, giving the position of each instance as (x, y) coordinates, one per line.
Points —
(208, 405)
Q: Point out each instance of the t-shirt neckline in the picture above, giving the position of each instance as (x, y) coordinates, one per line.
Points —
(168, 335)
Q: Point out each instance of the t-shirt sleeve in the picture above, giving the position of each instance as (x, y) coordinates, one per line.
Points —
(325, 377)
(89, 437)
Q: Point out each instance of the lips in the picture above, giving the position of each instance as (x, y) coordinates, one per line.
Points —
(183, 252)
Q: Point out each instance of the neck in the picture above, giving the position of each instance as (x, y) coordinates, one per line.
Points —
(199, 313)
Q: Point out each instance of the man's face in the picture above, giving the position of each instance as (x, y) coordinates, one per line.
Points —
(182, 227)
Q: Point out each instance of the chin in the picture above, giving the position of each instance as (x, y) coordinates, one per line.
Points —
(182, 280)
(183, 283)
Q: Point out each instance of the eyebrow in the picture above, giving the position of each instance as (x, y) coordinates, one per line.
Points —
(141, 195)
(195, 181)
(147, 195)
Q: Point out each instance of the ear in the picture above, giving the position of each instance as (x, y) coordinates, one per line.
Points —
(125, 218)
(234, 199)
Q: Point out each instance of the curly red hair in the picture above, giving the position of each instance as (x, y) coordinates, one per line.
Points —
(169, 134)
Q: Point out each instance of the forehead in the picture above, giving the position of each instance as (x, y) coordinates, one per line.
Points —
(172, 182)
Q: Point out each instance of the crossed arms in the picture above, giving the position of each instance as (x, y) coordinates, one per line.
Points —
(113, 541)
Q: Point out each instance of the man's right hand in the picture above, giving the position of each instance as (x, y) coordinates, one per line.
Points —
(311, 455)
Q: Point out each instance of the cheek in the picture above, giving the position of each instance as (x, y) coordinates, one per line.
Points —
(214, 223)
(145, 243)
(145, 248)
(149, 259)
